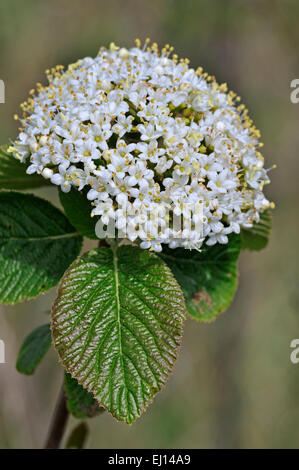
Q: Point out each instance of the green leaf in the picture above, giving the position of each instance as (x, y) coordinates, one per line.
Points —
(13, 173)
(37, 245)
(117, 326)
(208, 278)
(78, 209)
(80, 402)
(78, 437)
(33, 349)
(256, 238)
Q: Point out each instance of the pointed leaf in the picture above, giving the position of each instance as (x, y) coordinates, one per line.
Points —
(80, 402)
(33, 349)
(78, 210)
(208, 278)
(256, 238)
(117, 326)
(13, 173)
(37, 245)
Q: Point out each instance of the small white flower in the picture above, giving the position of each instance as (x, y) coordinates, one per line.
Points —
(123, 125)
(47, 173)
(150, 151)
(148, 132)
(222, 182)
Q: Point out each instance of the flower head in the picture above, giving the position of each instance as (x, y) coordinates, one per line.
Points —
(139, 126)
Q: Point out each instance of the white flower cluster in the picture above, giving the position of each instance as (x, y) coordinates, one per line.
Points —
(143, 127)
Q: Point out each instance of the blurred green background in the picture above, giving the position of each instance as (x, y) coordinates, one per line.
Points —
(234, 384)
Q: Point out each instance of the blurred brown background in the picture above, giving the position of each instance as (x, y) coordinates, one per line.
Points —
(234, 384)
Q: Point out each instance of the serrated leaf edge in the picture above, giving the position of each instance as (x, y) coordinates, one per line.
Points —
(88, 388)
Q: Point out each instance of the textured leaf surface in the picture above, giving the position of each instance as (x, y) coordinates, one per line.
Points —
(80, 402)
(256, 238)
(37, 245)
(208, 278)
(78, 437)
(33, 349)
(117, 326)
(78, 209)
(13, 174)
